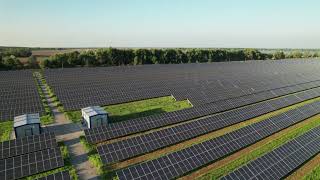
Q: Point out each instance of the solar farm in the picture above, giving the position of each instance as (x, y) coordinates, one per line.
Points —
(244, 120)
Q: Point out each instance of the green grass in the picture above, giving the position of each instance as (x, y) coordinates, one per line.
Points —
(5, 130)
(95, 160)
(65, 153)
(42, 96)
(91, 149)
(314, 174)
(67, 166)
(242, 160)
(125, 111)
(94, 157)
(51, 94)
(74, 116)
(47, 119)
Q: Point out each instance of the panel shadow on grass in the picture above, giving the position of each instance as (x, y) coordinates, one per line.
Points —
(117, 118)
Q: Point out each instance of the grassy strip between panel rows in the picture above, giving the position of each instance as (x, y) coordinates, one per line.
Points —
(104, 171)
(94, 158)
(314, 174)
(48, 117)
(51, 94)
(284, 137)
(5, 130)
(67, 166)
(131, 110)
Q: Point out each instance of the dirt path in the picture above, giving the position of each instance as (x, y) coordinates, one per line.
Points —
(69, 133)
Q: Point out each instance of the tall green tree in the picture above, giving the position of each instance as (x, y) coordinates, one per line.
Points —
(88, 58)
(143, 56)
(32, 62)
(296, 54)
(170, 56)
(278, 55)
(102, 56)
(12, 63)
(181, 56)
(157, 56)
(192, 55)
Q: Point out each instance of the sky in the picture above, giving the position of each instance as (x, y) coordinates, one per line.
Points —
(160, 23)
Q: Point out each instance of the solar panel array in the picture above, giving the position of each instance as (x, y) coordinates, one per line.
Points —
(26, 156)
(178, 163)
(27, 144)
(116, 130)
(63, 175)
(29, 164)
(278, 163)
(138, 145)
(200, 83)
(18, 94)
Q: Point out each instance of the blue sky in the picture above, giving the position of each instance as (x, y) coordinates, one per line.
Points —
(160, 23)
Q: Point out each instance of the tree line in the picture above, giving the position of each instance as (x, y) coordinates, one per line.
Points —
(9, 60)
(118, 57)
(15, 51)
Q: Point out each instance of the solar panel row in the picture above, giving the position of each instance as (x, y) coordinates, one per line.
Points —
(63, 175)
(281, 161)
(116, 130)
(29, 164)
(180, 162)
(18, 94)
(27, 144)
(200, 83)
(139, 145)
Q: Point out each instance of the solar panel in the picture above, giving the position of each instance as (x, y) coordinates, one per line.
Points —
(278, 163)
(63, 175)
(18, 94)
(27, 144)
(116, 130)
(200, 83)
(139, 145)
(29, 164)
(180, 162)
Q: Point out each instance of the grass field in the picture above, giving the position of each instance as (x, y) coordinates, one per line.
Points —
(5, 130)
(122, 112)
(314, 174)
